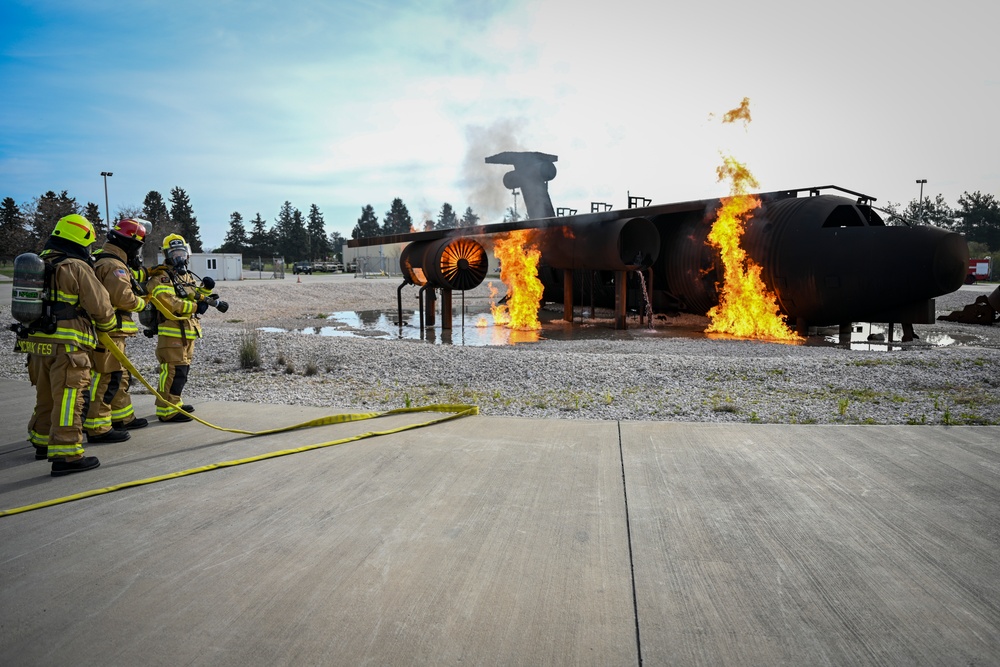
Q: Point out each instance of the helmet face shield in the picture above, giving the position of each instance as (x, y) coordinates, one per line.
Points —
(128, 229)
(176, 253)
(128, 234)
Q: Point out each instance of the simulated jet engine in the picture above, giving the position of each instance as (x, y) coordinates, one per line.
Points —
(448, 263)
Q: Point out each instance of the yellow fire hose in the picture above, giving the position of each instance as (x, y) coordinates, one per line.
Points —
(453, 412)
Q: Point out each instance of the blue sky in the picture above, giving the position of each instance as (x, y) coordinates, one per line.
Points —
(247, 104)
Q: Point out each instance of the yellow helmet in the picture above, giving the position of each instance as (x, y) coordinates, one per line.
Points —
(172, 241)
(175, 250)
(75, 228)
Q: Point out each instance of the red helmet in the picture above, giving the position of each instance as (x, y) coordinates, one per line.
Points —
(128, 228)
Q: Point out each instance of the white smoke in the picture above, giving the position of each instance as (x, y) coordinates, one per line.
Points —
(484, 182)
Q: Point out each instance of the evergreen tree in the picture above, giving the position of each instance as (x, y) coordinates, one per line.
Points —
(397, 219)
(299, 241)
(14, 236)
(236, 238)
(47, 211)
(979, 218)
(291, 240)
(92, 212)
(182, 214)
(337, 246)
(318, 241)
(367, 226)
(260, 238)
(446, 218)
(154, 210)
(469, 219)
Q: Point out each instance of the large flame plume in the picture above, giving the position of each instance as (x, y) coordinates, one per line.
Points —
(519, 257)
(746, 308)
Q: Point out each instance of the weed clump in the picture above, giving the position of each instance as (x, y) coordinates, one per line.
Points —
(249, 349)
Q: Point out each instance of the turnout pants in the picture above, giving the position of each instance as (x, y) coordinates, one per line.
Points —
(109, 397)
(61, 382)
(175, 356)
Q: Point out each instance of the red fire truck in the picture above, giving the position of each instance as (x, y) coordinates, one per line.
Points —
(979, 269)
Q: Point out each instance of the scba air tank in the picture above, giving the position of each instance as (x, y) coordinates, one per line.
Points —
(27, 297)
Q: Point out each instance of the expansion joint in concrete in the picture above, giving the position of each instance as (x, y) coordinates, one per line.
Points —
(631, 561)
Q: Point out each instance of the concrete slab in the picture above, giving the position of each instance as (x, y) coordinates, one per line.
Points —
(807, 545)
(488, 540)
(506, 541)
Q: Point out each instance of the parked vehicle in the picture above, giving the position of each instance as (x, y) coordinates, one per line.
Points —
(330, 267)
(979, 269)
(302, 267)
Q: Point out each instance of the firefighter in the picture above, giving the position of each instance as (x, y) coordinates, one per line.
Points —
(111, 414)
(58, 349)
(179, 300)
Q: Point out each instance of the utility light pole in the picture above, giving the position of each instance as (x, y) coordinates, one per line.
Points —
(921, 182)
(107, 214)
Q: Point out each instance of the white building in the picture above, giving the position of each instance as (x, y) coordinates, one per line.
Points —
(220, 266)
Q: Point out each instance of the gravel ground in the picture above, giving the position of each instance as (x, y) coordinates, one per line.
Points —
(669, 374)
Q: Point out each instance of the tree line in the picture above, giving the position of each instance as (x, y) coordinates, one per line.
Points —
(397, 220)
(292, 236)
(26, 227)
(977, 217)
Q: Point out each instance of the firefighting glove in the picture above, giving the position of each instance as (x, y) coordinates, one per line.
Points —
(202, 307)
(208, 282)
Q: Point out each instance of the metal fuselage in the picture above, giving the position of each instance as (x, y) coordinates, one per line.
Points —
(827, 258)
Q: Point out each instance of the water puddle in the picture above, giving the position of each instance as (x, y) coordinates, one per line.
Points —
(477, 329)
(875, 338)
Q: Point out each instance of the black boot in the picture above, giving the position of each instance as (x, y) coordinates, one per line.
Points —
(60, 468)
(109, 436)
(138, 422)
(177, 417)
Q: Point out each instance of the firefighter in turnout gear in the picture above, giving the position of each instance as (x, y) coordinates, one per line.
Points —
(58, 346)
(179, 300)
(111, 414)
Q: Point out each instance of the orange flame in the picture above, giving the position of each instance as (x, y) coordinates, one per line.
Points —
(742, 112)
(746, 308)
(500, 314)
(519, 271)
